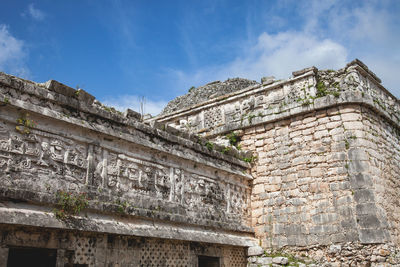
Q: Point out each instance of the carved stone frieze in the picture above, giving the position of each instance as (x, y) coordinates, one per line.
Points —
(44, 154)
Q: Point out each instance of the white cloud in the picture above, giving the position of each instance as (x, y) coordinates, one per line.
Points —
(124, 102)
(368, 29)
(332, 33)
(282, 53)
(12, 53)
(272, 54)
(34, 13)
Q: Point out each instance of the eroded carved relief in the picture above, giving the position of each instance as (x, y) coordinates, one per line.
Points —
(205, 193)
(56, 157)
(232, 113)
(194, 123)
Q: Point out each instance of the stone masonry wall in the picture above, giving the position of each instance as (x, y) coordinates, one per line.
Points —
(312, 184)
(136, 180)
(308, 90)
(325, 178)
(381, 142)
(327, 161)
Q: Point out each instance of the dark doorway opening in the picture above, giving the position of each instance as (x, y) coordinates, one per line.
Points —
(35, 257)
(205, 261)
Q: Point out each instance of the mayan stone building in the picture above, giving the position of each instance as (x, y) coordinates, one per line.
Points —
(296, 172)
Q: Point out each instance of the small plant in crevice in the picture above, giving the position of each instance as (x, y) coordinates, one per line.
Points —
(249, 159)
(122, 206)
(336, 94)
(70, 204)
(209, 145)
(321, 89)
(233, 139)
(111, 110)
(5, 101)
(77, 92)
(346, 144)
(225, 150)
(250, 118)
(25, 124)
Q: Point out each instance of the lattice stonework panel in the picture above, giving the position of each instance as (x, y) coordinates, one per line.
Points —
(212, 117)
(85, 250)
(157, 253)
(236, 257)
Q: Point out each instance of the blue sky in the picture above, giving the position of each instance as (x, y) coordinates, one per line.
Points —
(121, 50)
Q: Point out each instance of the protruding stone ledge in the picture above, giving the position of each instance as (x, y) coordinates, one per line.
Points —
(255, 251)
(365, 68)
(131, 114)
(105, 204)
(313, 70)
(60, 88)
(232, 97)
(137, 227)
(267, 80)
(80, 100)
(295, 109)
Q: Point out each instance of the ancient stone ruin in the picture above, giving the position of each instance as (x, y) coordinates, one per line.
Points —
(296, 172)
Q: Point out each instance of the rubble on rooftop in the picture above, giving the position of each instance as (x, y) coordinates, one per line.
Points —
(205, 92)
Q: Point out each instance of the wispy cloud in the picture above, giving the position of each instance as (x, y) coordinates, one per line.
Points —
(133, 102)
(12, 54)
(272, 54)
(331, 33)
(367, 29)
(34, 13)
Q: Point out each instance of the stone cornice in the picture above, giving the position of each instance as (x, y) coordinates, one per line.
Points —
(83, 102)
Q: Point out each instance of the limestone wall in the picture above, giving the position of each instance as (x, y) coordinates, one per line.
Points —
(319, 179)
(308, 90)
(327, 160)
(136, 180)
(381, 142)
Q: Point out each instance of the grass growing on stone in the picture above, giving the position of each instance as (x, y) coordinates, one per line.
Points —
(209, 145)
(25, 124)
(249, 159)
(233, 138)
(347, 144)
(70, 204)
(122, 206)
(250, 118)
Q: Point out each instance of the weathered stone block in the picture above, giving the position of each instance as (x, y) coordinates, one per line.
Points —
(366, 208)
(357, 154)
(351, 117)
(353, 125)
(255, 251)
(272, 187)
(364, 195)
(316, 172)
(368, 221)
(280, 260)
(369, 236)
(360, 181)
(265, 260)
